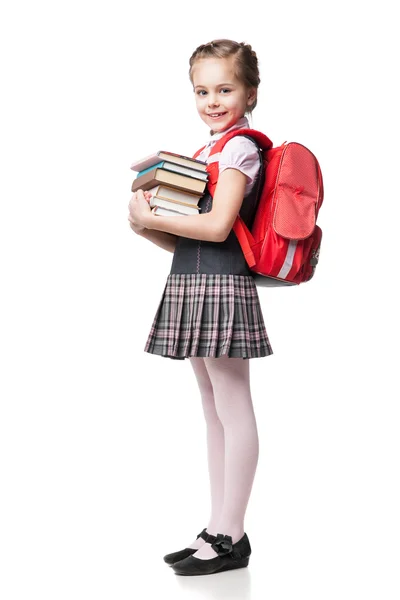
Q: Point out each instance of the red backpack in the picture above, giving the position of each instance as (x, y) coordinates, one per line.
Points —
(283, 245)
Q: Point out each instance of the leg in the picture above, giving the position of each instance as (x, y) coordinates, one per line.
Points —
(215, 445)
(230, 378)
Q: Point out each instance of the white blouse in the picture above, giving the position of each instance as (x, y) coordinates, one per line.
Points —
(238, 153)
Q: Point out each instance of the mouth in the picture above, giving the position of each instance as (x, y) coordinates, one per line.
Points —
(216, 115)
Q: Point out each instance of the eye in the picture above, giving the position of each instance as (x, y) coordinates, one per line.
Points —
(201, 92)
(225, 90)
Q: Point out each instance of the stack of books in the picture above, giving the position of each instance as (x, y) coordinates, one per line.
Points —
(175, 182)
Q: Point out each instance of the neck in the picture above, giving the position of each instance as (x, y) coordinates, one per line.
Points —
(242, 122)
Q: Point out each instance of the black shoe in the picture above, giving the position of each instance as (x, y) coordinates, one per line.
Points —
(181, 554)
(230, 556)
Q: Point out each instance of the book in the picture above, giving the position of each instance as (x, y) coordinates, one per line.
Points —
(178, 159)
(176, 169)
(169, 193)
(180, 207)
(165, 212)
(162, 176)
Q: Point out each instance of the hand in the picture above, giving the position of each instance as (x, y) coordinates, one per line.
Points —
(138, 210)
(135, 227)
(147, 196)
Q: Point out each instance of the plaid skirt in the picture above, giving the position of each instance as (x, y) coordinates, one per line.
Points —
(209, 315)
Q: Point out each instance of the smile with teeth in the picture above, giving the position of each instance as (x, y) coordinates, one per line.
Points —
(216, 115)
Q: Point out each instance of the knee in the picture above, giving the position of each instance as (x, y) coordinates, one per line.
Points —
(209, 409)
(234, 408)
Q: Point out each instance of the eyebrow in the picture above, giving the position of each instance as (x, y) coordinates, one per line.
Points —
(219, 85)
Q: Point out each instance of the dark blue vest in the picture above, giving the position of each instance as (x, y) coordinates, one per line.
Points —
(199, 256)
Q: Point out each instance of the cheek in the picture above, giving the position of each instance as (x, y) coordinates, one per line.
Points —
(232, 102)
(241, 103)
(202, 107)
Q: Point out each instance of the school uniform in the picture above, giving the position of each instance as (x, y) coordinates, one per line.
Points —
(210, 305)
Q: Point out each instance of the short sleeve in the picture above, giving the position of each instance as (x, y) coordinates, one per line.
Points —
(242, 154)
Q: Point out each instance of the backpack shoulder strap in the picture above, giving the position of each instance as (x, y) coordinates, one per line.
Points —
(243, 234)
(262, 141)
(196, 154)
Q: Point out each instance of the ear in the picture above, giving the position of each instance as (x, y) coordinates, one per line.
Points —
(251, 96)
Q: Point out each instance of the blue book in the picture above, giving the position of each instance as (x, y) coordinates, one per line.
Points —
(174, 168)
(160, 164)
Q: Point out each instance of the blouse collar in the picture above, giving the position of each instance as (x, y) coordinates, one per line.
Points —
(240, 124)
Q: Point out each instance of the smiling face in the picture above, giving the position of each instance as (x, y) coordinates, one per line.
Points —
(221, 99)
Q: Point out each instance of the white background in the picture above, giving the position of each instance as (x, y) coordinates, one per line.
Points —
(103, 455)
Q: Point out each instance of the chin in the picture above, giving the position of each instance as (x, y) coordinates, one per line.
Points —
(220, 126)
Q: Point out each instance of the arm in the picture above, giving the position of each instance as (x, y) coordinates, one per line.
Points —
(164, 240)
(160, 238)
(213, 226)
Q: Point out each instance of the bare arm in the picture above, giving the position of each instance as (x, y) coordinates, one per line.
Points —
(213, 226)
(164, 240)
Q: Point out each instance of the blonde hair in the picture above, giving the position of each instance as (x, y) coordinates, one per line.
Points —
(246, 62)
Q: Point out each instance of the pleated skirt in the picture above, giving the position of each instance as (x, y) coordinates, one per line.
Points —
(209, 315)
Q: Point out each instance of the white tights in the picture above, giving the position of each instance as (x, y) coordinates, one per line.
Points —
(232, 442)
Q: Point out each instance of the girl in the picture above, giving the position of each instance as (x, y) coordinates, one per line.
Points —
(210, 310)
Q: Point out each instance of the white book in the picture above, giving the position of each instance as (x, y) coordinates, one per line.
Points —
(170, 193)
(158, 210)
(174, 205)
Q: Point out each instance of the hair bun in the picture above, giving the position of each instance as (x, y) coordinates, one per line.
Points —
(248, 48)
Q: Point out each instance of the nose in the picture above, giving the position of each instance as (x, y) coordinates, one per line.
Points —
(212, 100)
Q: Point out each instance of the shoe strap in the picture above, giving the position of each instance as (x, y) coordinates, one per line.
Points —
(203, 534)
(222, 545)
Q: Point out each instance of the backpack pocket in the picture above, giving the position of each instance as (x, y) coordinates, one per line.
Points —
(296, 193)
